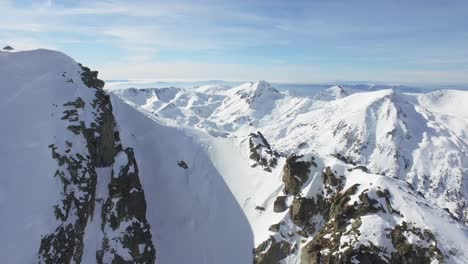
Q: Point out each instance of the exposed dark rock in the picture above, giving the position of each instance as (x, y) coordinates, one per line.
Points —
(363, 168)
(90, 78)
(295, 174)
(304, 233)
(334, 207)
(8, 48)
(261, 152)
(386, 195)
(407, 253)
(347, 160)
(64, 245)
(301, 210)
(125, 209)
(341, 213)
(182, 164)
(108, 141)
(328, 178)
(271, 251)
(77, 173)
(280, 204)
(338, 217)
(274, 227)
(331, 183)
(259, 208)
(363, 255)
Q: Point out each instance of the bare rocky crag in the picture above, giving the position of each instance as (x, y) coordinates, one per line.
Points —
(124, 223)
(296, 173)
(261, 153)
(327, 218)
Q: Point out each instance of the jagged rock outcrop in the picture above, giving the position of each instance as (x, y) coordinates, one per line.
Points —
(280, 204)
(409, 253)
(124, 215)
(295, 173)
(423, 248)
(329, 178)
(302, 209)
(261, 153)
(333, 218)
(338, 239)
(124, 221)
(271, 251)
(90, 78)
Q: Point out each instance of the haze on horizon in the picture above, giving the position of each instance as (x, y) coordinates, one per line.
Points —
(419, 42)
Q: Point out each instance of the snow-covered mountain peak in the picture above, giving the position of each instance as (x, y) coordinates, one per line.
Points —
(260, 90)
(64, 163)
(213, 89)
(263, 85)
(332, 93)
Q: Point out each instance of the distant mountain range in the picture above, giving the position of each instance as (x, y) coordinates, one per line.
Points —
(298, 89)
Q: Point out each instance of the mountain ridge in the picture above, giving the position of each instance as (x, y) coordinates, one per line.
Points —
(381, 133)
(64, 129)
(226, 175)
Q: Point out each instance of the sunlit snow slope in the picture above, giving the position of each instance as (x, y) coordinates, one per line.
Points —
(194, 216)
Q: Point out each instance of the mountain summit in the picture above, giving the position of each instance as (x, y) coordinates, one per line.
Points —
(332, 93)
(71, 191)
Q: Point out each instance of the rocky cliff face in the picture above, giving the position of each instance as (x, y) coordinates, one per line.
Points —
(125, 231)
(343, 218)
(261, 153)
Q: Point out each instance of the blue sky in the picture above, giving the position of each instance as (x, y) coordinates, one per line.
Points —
(409, 42)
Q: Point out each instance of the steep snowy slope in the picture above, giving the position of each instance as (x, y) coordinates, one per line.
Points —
(194, 216)
(69, 191)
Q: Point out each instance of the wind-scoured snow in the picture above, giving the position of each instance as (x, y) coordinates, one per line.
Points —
(194, 216)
